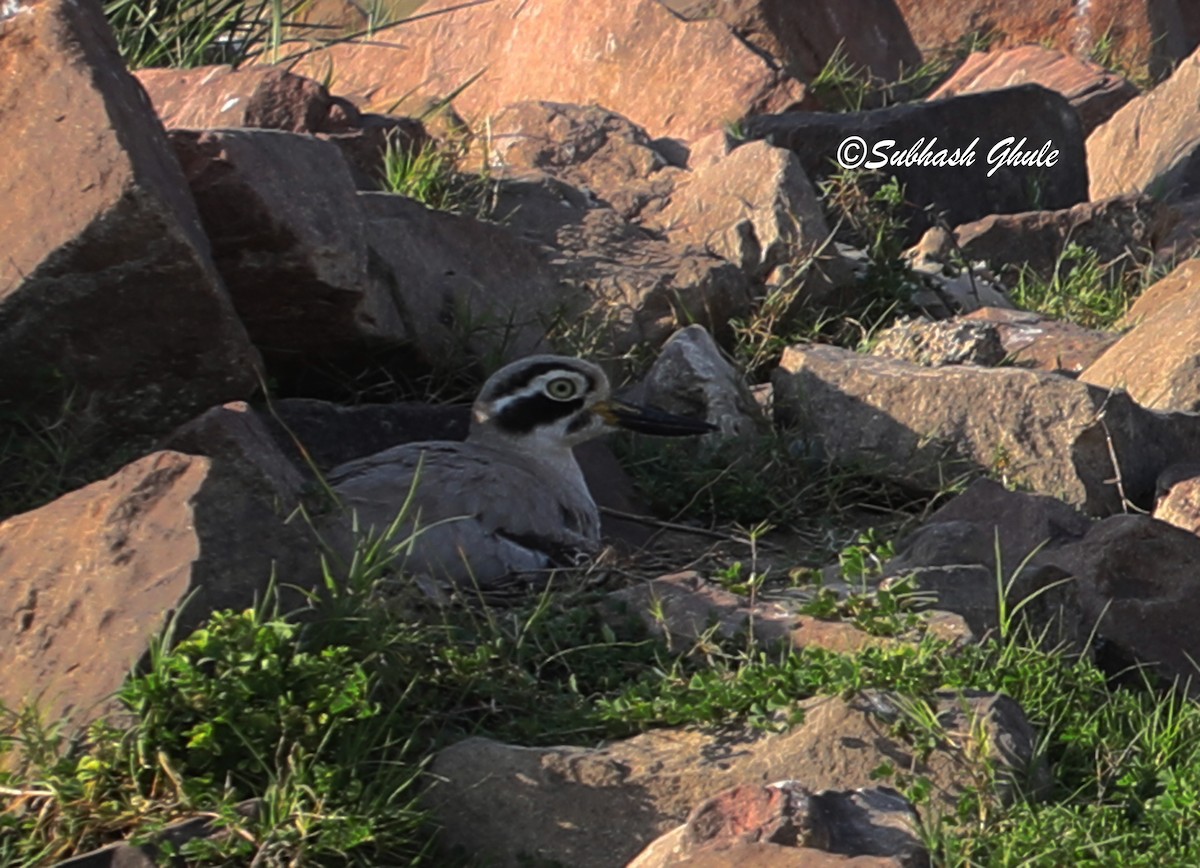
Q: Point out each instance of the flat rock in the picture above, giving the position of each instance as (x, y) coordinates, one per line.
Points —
(169, 535)
(594, 808)
(106, 284)
(1152, 145)
(1093, 91)
(960, 193)
(922, 426)
(1123, 232)
(1032, 340)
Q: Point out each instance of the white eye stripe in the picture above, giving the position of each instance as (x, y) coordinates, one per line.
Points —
(539, 386)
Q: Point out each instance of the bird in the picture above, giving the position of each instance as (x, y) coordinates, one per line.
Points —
(510, 500)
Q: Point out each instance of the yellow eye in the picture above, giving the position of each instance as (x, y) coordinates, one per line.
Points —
(562, 389)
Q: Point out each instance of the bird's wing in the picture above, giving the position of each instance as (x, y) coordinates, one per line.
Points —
(496, 514)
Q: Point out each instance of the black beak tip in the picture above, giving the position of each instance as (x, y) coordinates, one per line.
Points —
(653, 420)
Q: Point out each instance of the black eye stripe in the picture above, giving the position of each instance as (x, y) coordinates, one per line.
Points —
(533, 411)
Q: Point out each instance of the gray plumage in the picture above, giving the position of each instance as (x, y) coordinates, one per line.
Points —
(511, 499)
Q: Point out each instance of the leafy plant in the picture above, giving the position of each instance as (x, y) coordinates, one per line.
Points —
(429, 175)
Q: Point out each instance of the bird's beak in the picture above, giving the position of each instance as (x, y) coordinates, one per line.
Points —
(649, 420)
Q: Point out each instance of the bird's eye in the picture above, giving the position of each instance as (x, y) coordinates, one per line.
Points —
(562, 389)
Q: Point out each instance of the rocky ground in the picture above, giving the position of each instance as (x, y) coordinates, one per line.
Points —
(221, 281)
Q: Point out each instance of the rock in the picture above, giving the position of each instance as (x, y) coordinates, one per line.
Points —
(600, 807)
(333, 434)
(787, 816)
(590, 148)
(941, 290)
(1136, 578)
(1045, 121)
(289, 238)
(1156, 361)
(1178, 501)
(1093, 91)
(641, 288)
(220, 97)
(676, 78)
(945, 342)
(1151, 145)
(990, 541)
(170, 535)
(1162, 294)
(1152, 33)
(691, 377)
(1123, 232)
(235, 436)
(922, 426)
(266, 97)
(471, 291)
(755, 208)
(871, 35)
(1031, 340)
(107, 289)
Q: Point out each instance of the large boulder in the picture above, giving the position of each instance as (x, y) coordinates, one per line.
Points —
(107, 287)
(926, 426)
(289, 237)
(1030, 124)
(675, 77)
(94, 576)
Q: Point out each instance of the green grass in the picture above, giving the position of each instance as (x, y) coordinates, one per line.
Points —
(189, 33)
(326, 716)
(1082, 289)
(429, 174)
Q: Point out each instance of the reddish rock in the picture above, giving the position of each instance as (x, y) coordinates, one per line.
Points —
(1184, 280)
(593, 808)
(106, 284)
(1031, 340)
(755, 208)
(674, 77)
(959, 193)
(263, 97)
(871, 34)
(1091, 89)
(1152, 145)
(1140, 32)
(1178, 500)
(1123, 232)
(128, 553)
(588, 147)
(289, 237)
(212, 97)
(1158, 360)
